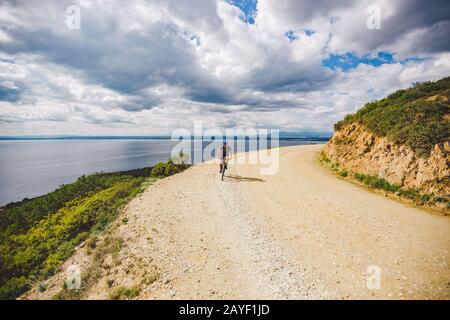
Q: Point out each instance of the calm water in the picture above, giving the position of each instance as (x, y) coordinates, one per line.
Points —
(30, 168)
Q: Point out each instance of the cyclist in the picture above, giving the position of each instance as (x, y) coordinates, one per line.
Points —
(223, 154)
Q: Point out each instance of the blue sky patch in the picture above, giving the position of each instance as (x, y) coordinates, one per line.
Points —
(290, 35)
(248, 7)
(412, 59)
(350, 60)
(309, 32)
(8, 94)
(7, 61)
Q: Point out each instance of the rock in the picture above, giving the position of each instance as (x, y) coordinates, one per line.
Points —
(356, 149)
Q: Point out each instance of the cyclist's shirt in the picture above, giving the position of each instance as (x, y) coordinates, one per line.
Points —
(224, 152)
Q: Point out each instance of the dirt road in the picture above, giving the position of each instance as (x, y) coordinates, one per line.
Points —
(299, 234)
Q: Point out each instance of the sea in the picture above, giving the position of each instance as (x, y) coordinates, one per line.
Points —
(31, 167)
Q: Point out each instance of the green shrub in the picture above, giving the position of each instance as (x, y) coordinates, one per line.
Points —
(440, 199)
(412, 194)
(122, 293)
(159, 170)
(14, 287)
(343, 173)
(424, 198)
(162, 170)
(323, 158)
(376, 182)
(42, 287)
(334, 167)
(171, 168)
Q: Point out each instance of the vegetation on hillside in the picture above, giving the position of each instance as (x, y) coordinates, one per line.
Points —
(417, 117)
(374, 182)
(161, 170)
(38, 235)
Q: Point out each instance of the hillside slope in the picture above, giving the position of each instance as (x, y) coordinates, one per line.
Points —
(403, 138)
(37, 235)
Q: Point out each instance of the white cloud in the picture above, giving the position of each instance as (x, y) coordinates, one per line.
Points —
(147, 67)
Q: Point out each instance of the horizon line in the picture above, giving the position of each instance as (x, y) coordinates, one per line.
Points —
(148, 137)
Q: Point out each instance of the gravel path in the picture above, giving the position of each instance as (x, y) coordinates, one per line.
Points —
(299, 234)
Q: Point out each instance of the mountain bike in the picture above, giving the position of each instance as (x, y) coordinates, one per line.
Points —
(224, 166)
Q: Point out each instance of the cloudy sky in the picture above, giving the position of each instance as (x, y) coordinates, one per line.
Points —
(148, 67)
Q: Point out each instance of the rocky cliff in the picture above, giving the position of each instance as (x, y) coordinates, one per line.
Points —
(357, 149)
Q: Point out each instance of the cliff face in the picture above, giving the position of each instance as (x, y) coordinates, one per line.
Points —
(356, 149)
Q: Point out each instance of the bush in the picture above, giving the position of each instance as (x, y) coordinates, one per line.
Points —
(343, 173)
(441, 199)
(376, 182)
(162, 170)
(360, 177)
(42, 287)
(412, 194)
(159, 170)
(323, 158)
(122, 293)
(14, 287)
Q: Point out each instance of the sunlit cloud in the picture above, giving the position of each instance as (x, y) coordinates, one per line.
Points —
(148, 67)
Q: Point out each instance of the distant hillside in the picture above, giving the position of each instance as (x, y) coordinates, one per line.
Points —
(403, 138)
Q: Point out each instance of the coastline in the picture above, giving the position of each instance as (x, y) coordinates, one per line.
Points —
(28, 180)
(33, 168)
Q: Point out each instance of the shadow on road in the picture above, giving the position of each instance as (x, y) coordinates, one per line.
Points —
(245, 179)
